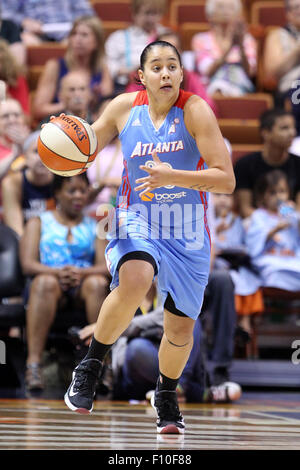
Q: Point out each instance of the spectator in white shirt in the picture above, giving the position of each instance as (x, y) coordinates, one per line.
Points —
(123, 47)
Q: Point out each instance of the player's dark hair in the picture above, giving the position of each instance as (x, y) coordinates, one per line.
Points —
(58, 181)
(150, 46)
(268, 118)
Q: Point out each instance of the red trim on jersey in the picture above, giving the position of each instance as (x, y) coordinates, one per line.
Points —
(203, 198)
(182, 98)
(142, 98)
(126, 189)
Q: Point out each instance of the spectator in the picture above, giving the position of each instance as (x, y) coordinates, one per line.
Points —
(278, 130)
(85, 52)
(232, 254)
(50, 20)
(226, 55)
(282, 51)
(273, 235)
(27, 193)
(219, 304)
(13, 133)
(63, 258)
(75, 93)
(124, 47)
(105, 175)
(13, 76)
(10, 32)
(191, 81)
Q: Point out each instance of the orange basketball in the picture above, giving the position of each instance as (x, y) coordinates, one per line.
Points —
(67, 145)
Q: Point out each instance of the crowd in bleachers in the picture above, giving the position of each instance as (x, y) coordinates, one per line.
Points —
(243, 58)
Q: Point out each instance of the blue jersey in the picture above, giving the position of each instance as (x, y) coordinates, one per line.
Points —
(177, 149)
(169, 222)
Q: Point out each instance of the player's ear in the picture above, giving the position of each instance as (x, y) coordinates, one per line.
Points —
(141, 77)
(181, 75)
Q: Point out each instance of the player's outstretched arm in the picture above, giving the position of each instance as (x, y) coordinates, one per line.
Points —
(113, 119)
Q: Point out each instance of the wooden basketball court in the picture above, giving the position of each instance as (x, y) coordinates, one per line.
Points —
(257, 422)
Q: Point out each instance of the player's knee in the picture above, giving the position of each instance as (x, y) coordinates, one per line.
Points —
(179, 334)
(136, 276)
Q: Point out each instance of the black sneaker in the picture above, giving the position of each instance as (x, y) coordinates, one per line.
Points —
(170, 420)
(81, 392)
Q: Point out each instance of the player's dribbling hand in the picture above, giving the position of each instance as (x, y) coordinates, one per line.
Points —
(159, 175)
(53, 117)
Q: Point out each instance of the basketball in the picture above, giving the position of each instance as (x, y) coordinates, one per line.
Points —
(67, 145)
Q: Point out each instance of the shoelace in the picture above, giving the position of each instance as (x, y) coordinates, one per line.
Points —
(168, 409)
(85, 380)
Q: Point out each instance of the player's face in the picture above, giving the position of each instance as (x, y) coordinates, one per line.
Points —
(73, 196)
(162, 73)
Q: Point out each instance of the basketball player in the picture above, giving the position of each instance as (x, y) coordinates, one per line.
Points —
(173, 154)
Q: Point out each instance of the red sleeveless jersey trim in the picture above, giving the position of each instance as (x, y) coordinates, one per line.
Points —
(142, 98)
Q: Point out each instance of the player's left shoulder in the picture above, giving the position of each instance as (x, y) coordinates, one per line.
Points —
(197, 113)
(196, 104)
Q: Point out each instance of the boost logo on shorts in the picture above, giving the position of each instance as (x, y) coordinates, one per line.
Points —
(161, 198)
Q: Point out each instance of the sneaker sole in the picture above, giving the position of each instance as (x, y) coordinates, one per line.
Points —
(82, 411)
(170, 428)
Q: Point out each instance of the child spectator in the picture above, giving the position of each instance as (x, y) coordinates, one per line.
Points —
(273, 234)
(231, 253)
(277, 128)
